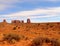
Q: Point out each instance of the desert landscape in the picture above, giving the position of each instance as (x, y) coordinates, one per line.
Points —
(29, 22)
(18, 33)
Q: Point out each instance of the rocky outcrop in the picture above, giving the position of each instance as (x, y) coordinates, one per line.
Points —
(28, 21)
(4, 21)
(15, 21)
(22, 21)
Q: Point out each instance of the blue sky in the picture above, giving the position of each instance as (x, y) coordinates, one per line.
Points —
(36, 10)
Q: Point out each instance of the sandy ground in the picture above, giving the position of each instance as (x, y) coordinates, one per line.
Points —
(30, 30)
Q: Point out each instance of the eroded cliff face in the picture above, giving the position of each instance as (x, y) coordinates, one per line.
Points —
(29, 31)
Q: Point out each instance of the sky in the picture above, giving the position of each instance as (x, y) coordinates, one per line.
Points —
(36, 10)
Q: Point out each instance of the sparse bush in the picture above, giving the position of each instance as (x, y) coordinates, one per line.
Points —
(26, 38)
(14, 28)
(37, 41)
(47, 24)
(10, 38)
(38, 24)
(51, 25)
(58, 41)
(47, 40)
(55, 42)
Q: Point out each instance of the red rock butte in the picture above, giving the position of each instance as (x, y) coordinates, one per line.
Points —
(4, 20)
(18, 21)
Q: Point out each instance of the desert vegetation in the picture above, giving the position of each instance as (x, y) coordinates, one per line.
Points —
(40, 40)
(10, 38)
(29, 34)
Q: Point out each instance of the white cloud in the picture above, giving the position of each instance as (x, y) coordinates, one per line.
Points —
(4, 7)
(5, 4)
(37, 13)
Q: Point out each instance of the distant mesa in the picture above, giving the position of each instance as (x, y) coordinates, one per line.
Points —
(22, 21)
(28, 21)
(15, 21)
(4, 21)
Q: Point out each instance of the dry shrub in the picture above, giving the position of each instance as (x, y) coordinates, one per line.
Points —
(47, 40)
(37, 41)
(14, 28)
(55, 42)
(40, 40)
(11, 38)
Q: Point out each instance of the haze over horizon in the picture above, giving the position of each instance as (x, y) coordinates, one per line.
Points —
(36, 10)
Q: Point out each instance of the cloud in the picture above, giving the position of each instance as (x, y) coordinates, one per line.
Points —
(2, 7)
(37, 13)
(40, 0)
(4, 4)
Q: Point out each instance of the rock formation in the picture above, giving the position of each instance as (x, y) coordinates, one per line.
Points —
(28, 21)
(4, 21)
(15, 21)
(22, 21)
